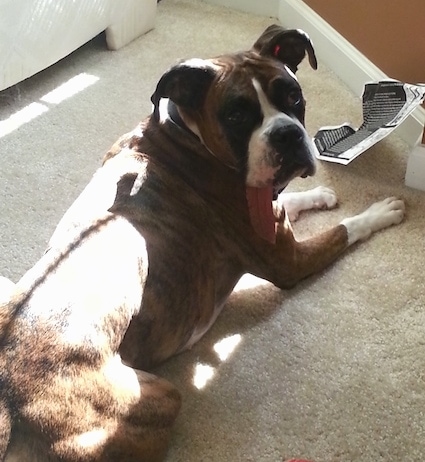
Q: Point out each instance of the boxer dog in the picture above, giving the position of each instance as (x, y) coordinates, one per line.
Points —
(141, 265)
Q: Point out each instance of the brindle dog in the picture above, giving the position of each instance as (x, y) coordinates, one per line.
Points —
(143, 262)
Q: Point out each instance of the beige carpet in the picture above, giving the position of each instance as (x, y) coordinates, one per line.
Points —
(332, 370)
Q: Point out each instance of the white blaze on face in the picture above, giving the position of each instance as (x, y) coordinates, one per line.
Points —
(289, 71)
(261, 171)
(261, 154)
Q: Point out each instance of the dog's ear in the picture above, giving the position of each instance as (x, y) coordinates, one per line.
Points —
(288, 46)
(185, 84)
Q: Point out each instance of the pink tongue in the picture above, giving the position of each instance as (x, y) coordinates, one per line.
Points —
(261, 212)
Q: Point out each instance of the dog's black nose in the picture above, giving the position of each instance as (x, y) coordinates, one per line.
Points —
(292, 150)
(310, 169)
(286, 137)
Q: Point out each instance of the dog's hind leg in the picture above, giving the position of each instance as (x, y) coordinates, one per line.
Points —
(143, 431)
(143, 434)
(126, 416)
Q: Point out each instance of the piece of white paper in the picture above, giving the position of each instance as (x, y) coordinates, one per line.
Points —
(386, 104)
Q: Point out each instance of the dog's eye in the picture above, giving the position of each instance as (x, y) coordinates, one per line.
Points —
(240, 114)
(237, 117)
(294, 98)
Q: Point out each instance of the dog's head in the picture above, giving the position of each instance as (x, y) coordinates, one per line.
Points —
(248, 108)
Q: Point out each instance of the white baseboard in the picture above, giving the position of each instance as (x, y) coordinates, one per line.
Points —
(262, 8)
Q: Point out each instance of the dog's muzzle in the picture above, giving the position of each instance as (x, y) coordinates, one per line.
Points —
(294, 152)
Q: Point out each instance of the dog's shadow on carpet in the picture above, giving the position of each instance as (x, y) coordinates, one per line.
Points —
(253, 303)
(219, 377)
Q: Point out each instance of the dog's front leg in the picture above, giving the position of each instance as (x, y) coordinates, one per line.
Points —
(380, 215)
(292, 203)
(290, 261)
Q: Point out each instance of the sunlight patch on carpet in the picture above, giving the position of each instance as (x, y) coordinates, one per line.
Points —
(203, 374)
(21, 117)
(64, 91)
(225, 347)
(70, 88)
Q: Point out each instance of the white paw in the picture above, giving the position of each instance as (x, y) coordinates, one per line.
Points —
(323, 198)
(378, 216)
(317, 198)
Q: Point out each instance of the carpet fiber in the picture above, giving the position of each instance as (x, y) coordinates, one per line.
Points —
(332, 370)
